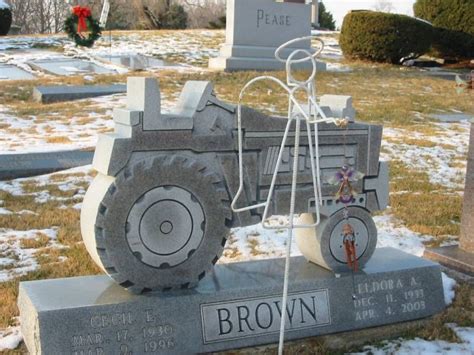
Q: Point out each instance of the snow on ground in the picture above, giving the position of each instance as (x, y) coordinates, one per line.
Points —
(449, 144)
(33, 134)
(17, 260)
(185, 48)
(16, 256)
(449, 285)
(255, 242)
(332, 50)
(10, 338)
(392, 233)
(188, 47)
(71, 181)
(421, 347)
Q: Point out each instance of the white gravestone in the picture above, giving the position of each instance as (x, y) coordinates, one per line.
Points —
(256, 28)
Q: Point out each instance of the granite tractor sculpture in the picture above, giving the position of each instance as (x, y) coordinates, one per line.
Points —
(157, 215)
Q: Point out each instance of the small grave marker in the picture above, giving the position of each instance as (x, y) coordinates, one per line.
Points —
(10, 72)
(67, 67)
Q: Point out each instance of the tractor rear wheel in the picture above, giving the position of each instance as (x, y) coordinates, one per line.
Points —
(160, 224)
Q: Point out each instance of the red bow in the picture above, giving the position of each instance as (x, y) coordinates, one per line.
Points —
(82, 14)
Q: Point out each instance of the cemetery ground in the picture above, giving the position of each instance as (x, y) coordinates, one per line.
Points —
(39, 217)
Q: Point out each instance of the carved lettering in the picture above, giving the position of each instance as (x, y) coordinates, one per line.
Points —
(264, 18)
(224, 321)
(112, 320)
(262, 315)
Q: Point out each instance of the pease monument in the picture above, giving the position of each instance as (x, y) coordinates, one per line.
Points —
(256, 28)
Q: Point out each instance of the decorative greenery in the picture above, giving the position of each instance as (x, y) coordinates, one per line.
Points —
(456, 15)
(453, 44)
(454, 26)
(72, 24)
(384, 37)
(5, 21)
(326, 19)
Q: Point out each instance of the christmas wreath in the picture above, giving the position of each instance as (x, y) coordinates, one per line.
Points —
(80, 21)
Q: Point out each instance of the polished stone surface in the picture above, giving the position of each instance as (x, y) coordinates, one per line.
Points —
(50, 94)
(10, 72)
(452, 257)
(467, 223)
(13, 166)
(236, 306)
(67, 67)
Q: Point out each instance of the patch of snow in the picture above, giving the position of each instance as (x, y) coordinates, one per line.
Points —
(5, 211)
(33, 134)
(392, 233)
(70, 182)
(419, 346)
(10, 338)
(449, 285)
(450, 144)
(255, 242)
(17, 261)
(336, 67)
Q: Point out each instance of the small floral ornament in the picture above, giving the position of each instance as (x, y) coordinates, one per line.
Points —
(80, 21)
(346, 193)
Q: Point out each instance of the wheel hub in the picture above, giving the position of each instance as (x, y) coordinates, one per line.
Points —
(337, 239)
(165, 226)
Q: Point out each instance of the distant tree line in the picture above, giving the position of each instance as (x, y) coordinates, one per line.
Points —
(48, 16)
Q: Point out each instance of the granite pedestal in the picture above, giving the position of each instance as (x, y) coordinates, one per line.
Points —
(256, 28)
(239, 305)
(462, 258)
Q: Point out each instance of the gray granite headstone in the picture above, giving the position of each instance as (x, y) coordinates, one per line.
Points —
(50, 94)
(256, 28)
(467, 226)
(237, 306)
(10, 72)
(13, 166)
(67, 67)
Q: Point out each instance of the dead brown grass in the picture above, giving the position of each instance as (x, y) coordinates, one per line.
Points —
(424, 207)
(58, 140)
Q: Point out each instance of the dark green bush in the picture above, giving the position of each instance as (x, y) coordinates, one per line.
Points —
(453, 44)
(5, 21)
(175, 18)
(456, 15)
(383, 37)
(219, 24)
